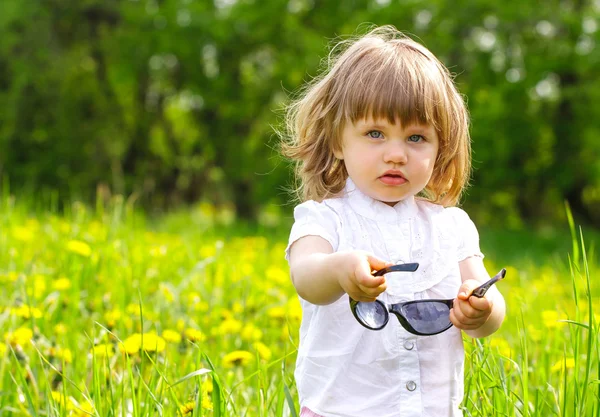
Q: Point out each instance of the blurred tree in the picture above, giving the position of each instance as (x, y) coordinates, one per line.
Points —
(172, 101)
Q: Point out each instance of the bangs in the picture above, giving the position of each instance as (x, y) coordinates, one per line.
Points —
(404, 87)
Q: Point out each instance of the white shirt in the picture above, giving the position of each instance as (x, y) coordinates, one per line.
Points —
(346, 370)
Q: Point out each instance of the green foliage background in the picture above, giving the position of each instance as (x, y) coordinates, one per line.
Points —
(174, 101)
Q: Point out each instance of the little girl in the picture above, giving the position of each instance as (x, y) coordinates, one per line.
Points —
(382, 148)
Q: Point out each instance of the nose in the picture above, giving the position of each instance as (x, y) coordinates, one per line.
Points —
(396, 153)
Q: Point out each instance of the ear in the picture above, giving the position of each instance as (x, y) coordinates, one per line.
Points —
(338, 153)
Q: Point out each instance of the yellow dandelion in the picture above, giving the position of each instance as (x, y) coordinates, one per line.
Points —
(276, 312)
(207, 386)
(171, 336)
(277, 275)
(251, 333)
(111, 317)
(263, 351)
(22, 234)
(207, 251)
(568, 363)
(148, 342)
(167, 293)
(38, 289)
(59, 398)
(60, 329)
(294, 309)
(10, 277)
(133, 309)
(187, 408)
(534, 333)
(79, 247)
(237, 358)
(201, 306)
(180, 325)
(158, 251)
(103, 350)
(61, 354)
(26, 312)
(230, 326)
(237, 308)
(61, 284)
(502, 346)
(194, 335)
(83, 409)
(551, 319)
(20, 336)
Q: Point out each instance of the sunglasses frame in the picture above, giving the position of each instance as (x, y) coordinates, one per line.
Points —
(397, 308)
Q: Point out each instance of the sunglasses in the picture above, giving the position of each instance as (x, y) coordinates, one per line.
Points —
(420, 317)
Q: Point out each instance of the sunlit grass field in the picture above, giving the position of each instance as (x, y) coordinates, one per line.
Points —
(104, 312)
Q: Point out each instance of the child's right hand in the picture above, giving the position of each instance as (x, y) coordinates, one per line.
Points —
(357, 278)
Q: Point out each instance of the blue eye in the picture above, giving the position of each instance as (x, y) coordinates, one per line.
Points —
(375, 134)
(415, 138)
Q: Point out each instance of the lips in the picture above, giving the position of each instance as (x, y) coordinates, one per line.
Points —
(393, 177)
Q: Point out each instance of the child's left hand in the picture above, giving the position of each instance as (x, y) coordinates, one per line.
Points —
(470, 313)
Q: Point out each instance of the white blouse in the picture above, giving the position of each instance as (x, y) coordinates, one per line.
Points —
(344, 369)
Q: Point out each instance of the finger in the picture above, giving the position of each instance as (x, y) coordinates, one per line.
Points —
(373, 291)
(377, 263)
(468, 311)
(481, 304)
(366, 280)
(463, 323)
(466, 289)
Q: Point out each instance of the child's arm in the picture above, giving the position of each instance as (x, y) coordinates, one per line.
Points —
(321, 276)
(478, 317)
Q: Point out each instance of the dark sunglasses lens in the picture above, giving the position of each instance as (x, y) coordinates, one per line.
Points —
(373, 315)
(427, 317)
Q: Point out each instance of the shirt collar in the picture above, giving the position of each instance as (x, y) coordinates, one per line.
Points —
(376, 210)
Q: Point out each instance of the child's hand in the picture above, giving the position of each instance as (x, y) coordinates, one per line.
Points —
(357, 279)
(470, 313)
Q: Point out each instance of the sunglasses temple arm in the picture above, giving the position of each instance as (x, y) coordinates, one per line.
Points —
(480, 291)
(410, 267)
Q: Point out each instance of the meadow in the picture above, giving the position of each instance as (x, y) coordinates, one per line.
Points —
(107, 312)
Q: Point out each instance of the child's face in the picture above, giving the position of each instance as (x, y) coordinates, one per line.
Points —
(386, 161)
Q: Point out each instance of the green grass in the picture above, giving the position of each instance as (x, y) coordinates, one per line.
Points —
(105, 312)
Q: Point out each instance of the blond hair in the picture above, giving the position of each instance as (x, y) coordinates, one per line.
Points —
(383, 74)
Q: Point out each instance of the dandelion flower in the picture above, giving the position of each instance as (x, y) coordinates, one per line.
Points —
(26, 312)
(568, 363)
(23, 234)
(187, 408)
(171, 336)
(551, 319)
(276, 312)
(79, 247)
(61, 354)
(230, 326)
(61, 284)
(103, 350)
(19, 337)
(502, 346)
(263, 351)
(149, 342)
(251, 333)
(237, 357)
(194, 335)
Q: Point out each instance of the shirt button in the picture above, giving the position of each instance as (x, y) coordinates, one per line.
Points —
(409, 344)
(411, 386)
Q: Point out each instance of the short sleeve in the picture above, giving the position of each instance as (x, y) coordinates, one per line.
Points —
(314, 219)
(468, 236)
